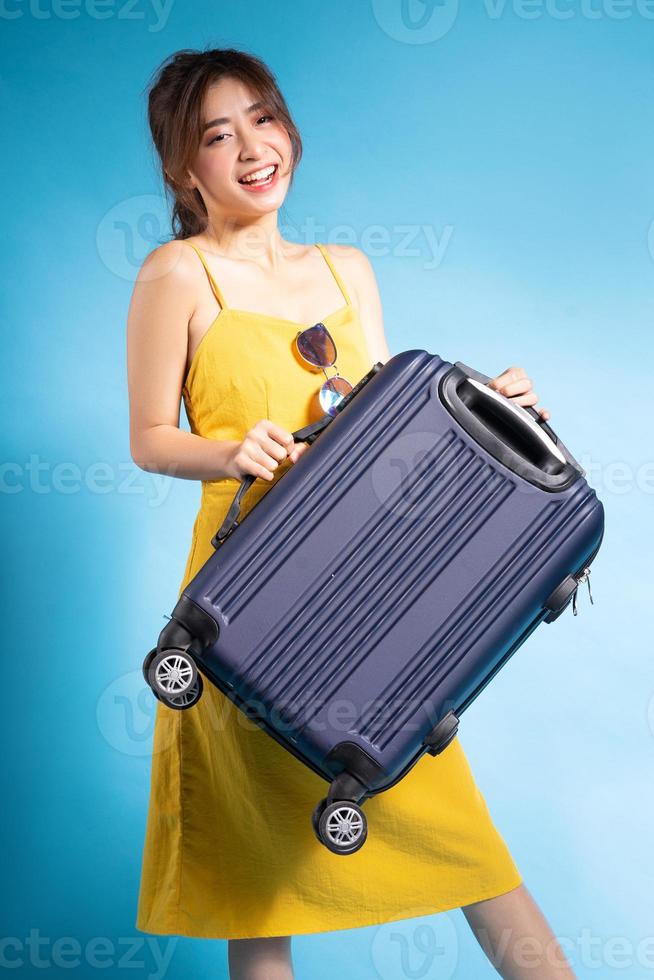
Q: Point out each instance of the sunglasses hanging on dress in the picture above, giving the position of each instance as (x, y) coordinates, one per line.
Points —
(316, 346)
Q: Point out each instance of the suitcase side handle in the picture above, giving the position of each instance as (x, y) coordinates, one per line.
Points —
(515, 435)
(309, 433)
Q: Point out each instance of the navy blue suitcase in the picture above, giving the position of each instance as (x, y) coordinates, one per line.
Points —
(377, 587)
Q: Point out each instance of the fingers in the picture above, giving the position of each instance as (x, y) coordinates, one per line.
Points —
(276, 432)
(300, 448)
(257, 461)
(512, 388)
(509, 376)
(528, 399)
(278, 442)
(274, 449)
(265, 446)
(514, 384)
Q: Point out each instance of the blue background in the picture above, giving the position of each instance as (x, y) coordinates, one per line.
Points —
(522, 139)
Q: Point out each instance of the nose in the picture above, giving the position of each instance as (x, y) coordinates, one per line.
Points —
(251, 145)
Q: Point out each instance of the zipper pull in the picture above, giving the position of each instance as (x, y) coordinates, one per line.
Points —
(584, 577)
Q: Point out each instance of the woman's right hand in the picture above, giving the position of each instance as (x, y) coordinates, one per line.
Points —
(264, 447)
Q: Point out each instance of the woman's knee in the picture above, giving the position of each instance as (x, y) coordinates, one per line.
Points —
(260, 958)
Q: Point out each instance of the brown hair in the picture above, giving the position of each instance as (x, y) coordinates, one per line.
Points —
(174, 113)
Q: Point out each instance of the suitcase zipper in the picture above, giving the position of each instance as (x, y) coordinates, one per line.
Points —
(580, 576)
(584, 577)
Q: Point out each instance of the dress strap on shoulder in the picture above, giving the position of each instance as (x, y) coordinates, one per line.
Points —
(328, 260)
(214, 285)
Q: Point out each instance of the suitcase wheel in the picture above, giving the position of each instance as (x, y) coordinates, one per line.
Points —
(146, 667)
(315, 816)
(172, 673)
(341, 826)
(186, 700)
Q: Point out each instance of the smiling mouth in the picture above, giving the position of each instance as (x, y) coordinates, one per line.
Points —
(261, 177)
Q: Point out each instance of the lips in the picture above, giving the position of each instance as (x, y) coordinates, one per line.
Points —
(265, 183)
(265, 172)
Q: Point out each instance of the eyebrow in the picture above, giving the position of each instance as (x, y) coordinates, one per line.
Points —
(225, 119)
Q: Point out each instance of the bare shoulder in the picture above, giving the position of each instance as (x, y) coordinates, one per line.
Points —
(356, 269)
(173, 261)
(164, 298)
(352, 257)
(359, 277)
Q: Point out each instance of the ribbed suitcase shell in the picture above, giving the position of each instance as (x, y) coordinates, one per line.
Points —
(386, 577)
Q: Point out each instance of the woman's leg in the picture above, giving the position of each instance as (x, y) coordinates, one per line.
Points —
(514, 934)
(260, 959)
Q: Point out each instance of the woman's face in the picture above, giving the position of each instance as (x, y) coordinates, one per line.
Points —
(241, 138)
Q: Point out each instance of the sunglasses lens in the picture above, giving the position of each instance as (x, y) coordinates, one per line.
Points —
(316, 346)
(332, 392)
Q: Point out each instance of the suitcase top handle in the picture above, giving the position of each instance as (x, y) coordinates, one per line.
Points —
(517, 436)
(537, 445)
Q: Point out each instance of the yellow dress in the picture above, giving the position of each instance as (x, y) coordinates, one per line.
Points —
(229, 849)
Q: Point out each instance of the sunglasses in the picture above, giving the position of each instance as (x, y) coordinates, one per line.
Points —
(316, 346)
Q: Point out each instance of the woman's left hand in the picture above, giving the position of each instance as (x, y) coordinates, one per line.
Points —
(515, 384)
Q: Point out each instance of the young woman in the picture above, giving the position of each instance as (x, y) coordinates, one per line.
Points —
(229, 851)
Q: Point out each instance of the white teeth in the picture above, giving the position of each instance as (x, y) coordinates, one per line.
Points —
(258, 175)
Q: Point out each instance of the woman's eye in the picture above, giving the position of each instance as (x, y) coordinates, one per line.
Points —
(220, 137)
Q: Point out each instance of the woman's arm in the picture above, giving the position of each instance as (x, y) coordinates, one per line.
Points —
(157, 337)
(360, 278)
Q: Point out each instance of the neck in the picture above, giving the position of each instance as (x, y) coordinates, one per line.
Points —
(254, 239)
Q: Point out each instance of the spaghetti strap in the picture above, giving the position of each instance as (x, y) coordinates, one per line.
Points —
(214, 285)
(335, 274)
